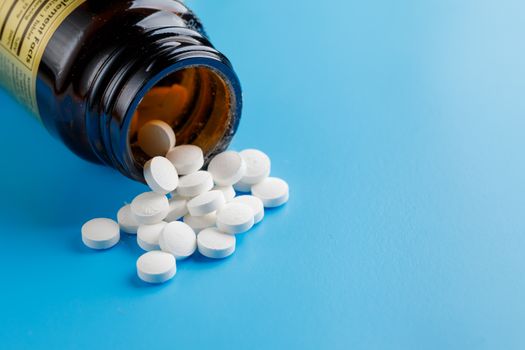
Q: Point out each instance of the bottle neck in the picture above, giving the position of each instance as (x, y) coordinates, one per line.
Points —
(129, 72)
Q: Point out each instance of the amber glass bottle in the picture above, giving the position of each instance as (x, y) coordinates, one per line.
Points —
(94, 71)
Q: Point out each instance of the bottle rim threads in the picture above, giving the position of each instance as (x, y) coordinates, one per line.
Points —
(129, 73)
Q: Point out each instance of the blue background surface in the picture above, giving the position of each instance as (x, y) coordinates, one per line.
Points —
(400, 128)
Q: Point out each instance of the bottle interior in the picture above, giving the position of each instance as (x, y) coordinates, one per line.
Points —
(196, 102)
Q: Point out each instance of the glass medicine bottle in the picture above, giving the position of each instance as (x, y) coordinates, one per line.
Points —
(94, 71)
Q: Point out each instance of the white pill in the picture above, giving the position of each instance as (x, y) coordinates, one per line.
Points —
(258, 166)
(127, 221)
(161, 175)
(235, 218)
(179, 239)
(255, 203)
(148, 236)
(156, 267)
(227, 168)
(178, 208)
(272, 191)
(206, 203)
(100, 233)
(156, 138)
(242, 187)
(227, 191)
(193, 184)
(186, 158)
(199, 223)
(150, 207)
(215, 244)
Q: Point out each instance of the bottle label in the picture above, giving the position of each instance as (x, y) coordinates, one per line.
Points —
(26, 26)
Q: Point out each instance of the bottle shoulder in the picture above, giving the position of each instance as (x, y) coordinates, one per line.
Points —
(97, 28)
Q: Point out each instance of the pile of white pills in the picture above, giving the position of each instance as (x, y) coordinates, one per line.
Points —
(189, 209)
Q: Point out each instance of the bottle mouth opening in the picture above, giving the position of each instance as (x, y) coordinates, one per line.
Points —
(196, 101)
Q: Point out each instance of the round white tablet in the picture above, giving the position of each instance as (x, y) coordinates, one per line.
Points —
(227, 168)
(206, 203)
(258, 166)
(179, 239)
(227, 191)
(148, 236)
(177, 209)
(242, 187)
(193, 184)
(199, 223)
(100, 233)
(253, 202)
(150, 207)
(156, 267)
(235, 218)
(215, 244)
(127, 221)
(272, 191)
(186, 158)
(161, 175)
(156, 138)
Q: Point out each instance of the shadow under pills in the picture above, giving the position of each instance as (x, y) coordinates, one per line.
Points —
(48, 187)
